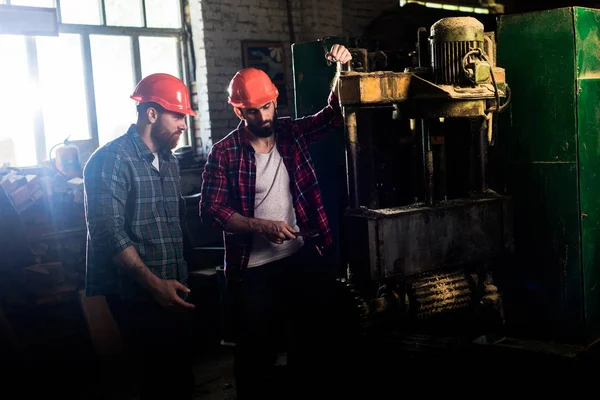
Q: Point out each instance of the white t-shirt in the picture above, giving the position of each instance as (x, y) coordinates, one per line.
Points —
(273, 201)
(155, 161)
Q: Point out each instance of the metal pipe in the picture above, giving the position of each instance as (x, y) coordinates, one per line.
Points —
(473, 167)
(90, 91)
(423, 48)
(415, 154)
(145, 19)
(483, 139)
(103, 9)
(38, 114)
(443, 171)
(427, 163)
(430, 186)
(352, 155)
(288, 5)
(137, 59)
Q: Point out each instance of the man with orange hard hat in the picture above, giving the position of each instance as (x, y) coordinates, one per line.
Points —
(260, 188)
(134, 237)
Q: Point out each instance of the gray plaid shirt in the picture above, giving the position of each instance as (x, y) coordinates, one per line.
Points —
(129, 203)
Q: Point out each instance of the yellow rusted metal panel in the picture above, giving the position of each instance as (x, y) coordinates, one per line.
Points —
(370, 88)
(374, 87)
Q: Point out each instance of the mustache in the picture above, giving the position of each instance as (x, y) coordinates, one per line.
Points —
(262, 131)
(265, 131)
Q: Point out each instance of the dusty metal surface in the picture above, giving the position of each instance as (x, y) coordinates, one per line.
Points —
(380, 88)
(457, 29)
(353, 149)
(500, 75)
(427, 162)
(483, 91)
(447, 109)
(399, 242)
(374, 87)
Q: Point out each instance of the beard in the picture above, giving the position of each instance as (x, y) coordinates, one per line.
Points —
(165, 140)
(172, 141)
(264, 131)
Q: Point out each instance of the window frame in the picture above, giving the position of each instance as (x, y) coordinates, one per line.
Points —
(85, 31)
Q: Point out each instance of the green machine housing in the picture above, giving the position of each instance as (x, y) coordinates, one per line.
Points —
(552, 142)
(312, 85)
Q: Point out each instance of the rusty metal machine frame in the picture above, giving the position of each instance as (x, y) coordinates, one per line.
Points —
(395, 244)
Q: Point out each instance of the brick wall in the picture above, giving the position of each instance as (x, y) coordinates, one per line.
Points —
(357, 14)
(218, 28)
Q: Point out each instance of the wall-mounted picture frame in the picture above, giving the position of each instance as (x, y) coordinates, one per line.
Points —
(268, 56)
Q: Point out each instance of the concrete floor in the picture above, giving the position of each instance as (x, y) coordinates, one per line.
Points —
(81, 380)
(214, 376)
(374, 366)
(376, 372)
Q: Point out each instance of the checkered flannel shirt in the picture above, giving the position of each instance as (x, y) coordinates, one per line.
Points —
(129, 203)
(229, 181)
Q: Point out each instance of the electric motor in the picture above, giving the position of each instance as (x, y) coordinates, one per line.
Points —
(450, 40)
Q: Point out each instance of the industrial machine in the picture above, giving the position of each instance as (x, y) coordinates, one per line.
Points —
(467, 211)
(426, 228)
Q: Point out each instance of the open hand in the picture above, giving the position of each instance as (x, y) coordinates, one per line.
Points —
(165, 293)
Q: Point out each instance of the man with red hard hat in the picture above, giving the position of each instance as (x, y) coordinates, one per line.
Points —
(134, 237)
(260, 188)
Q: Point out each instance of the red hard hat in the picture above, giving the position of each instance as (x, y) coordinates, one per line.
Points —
(251, 88)
(166, 90)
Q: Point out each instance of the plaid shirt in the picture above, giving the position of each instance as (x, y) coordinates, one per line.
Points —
(229, 181)
(129, 203)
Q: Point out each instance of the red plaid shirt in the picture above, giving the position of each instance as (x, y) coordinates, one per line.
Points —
(229, 181)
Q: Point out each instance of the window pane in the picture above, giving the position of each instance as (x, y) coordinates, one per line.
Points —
(34, 3)
(159, 54)
(87, 12)
(124, 12)
(17, 144)
(62, 87)
(163, 13)
(113, 84)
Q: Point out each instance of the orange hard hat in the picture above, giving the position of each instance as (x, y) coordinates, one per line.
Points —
(165, 90)
(251, 88)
